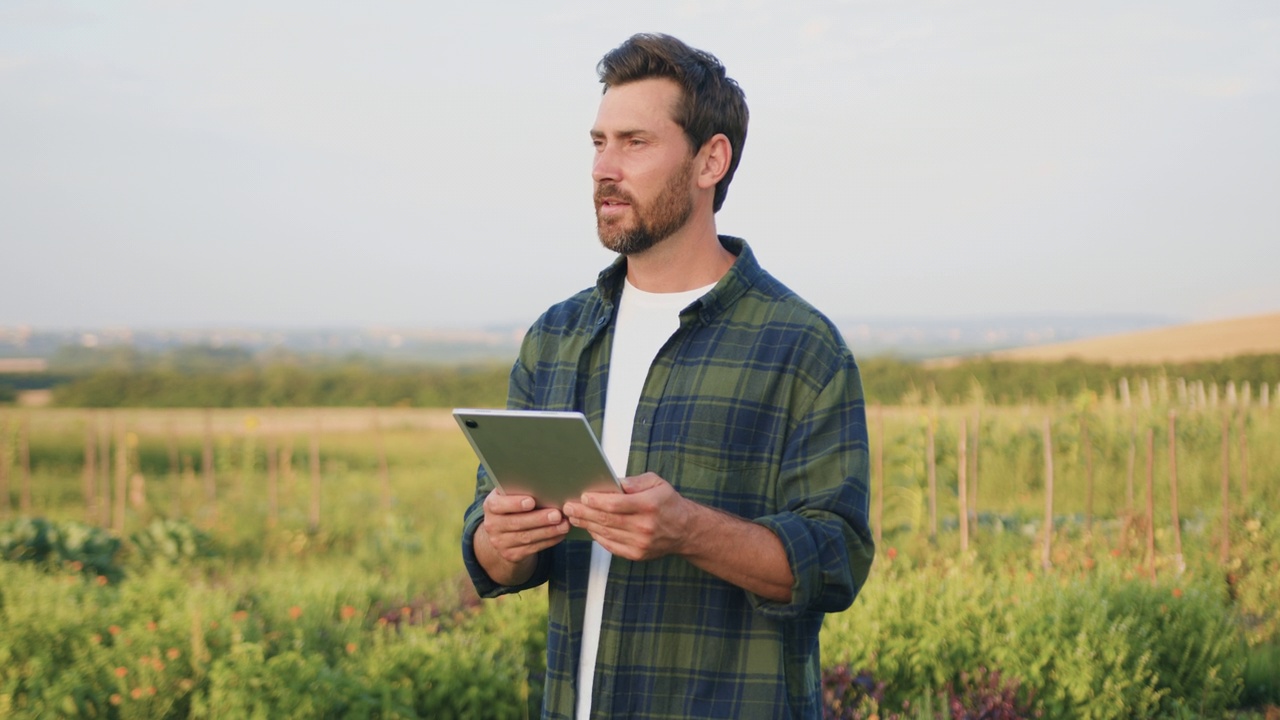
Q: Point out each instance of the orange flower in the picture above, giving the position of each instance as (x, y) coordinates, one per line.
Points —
(122, 671)
(96, 639)
(136, 693)
(116, 699)
(295, 612)
(213, 624)
(174, 653)
(351, 648)
(151, 625)
(151, 690)
(102, 579)
(114, 629)
(1089, 563)
(240, 615)
(347, 612)
(406, 612)
(892, 553)
(1177, 592)
(76, 565)
(1115, 552)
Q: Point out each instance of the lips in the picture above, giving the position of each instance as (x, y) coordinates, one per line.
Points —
(611, 200)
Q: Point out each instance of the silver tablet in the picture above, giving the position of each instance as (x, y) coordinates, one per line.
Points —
(552, 456)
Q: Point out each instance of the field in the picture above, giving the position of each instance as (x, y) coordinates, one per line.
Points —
(1256, 335)
(305, 563)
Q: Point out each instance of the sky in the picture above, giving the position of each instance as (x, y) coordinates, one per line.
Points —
(424, 164)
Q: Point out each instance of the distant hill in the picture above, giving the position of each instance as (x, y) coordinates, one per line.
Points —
(1259, 334)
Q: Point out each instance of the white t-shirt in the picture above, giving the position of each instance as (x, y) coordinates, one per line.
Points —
(645, 322)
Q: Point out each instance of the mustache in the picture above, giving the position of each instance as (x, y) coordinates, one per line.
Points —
(609, 190)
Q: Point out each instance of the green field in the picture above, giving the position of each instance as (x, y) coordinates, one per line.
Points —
(345, 597)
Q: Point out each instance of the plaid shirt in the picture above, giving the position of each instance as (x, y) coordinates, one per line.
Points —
(755, 407)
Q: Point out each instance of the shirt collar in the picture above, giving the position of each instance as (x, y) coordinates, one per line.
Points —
(741, 276)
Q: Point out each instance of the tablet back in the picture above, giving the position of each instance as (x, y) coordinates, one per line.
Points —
(553, 456)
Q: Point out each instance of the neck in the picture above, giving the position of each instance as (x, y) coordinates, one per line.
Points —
(690, 258)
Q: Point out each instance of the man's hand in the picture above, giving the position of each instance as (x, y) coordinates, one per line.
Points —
(645, 522)
(512, 535)
(650, 519)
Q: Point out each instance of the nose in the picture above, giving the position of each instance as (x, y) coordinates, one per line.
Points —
(605, 167)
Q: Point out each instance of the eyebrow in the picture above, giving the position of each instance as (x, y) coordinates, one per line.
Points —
(623, 134)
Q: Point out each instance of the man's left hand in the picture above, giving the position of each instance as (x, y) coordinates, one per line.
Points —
(647, 521)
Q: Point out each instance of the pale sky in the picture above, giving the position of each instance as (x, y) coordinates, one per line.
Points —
(419, 164)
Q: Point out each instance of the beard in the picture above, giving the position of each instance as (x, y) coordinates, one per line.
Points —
(653, 222)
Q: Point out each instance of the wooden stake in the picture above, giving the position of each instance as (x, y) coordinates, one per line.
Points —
(879, 473)
(384, 474)
(1046, 559)
(1088, 474)
(973, 468)
(121, 481)
(1176, 519)
(1244, 459)
(273, 482)
(315, 479)
(1133, 460)
(932, 468)
(5, 502)
(1225, 552)
(24, 450)
(206, 469)
(90, 470)
(104, 471)
(1151, 503)
(962, 467)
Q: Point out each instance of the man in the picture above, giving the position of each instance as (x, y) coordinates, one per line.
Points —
(736, 410)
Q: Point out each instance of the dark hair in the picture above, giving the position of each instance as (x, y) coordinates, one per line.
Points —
(710, 102)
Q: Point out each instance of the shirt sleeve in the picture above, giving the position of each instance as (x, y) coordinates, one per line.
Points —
(824, 492)
(519, 396)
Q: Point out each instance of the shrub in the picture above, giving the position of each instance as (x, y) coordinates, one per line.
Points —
(49, 544)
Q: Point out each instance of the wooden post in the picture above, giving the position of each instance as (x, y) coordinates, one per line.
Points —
(1133, 460)
(962, 489)
(1225, 552)
(105, 431)
(315, 479)
(932, 468)
(24, 459)
(1125, 399)
(1264, 396)
(5, 503)
(384, 474)
(1145, 388)
(1151, 503)
(90, 471)
(175, 470)
(206, 469)
(273, 481)
(1176, 519)
(879, 472)
(1088, 474)
(121, 481)
(1244, 459)
(1046, 558)
(973, 467)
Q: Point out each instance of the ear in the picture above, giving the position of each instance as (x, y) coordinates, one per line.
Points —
(713, 161)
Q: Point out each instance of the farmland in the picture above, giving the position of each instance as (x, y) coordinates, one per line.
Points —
(305, 561)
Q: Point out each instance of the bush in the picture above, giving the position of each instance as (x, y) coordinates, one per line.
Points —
(51, 545)
(171, 542)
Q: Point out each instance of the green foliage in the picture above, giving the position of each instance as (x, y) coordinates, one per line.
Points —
(350, 385)
(53, 545)
(173, 542)
(1097, 647)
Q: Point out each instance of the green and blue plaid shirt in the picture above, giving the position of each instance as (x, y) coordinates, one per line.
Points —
(754, 406)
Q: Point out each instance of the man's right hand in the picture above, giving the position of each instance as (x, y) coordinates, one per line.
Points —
(513, 533)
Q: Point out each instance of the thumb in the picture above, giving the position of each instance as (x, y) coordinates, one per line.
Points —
(640, 483)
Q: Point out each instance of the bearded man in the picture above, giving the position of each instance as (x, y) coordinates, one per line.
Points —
(736, 409)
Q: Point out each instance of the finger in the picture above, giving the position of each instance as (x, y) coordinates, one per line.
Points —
(640, 483)
(497, 502)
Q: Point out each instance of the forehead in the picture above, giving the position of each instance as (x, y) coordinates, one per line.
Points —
(643, 105)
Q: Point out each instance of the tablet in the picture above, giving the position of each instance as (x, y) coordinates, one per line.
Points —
(552, 456)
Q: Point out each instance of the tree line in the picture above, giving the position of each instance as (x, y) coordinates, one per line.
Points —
(364, 382)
